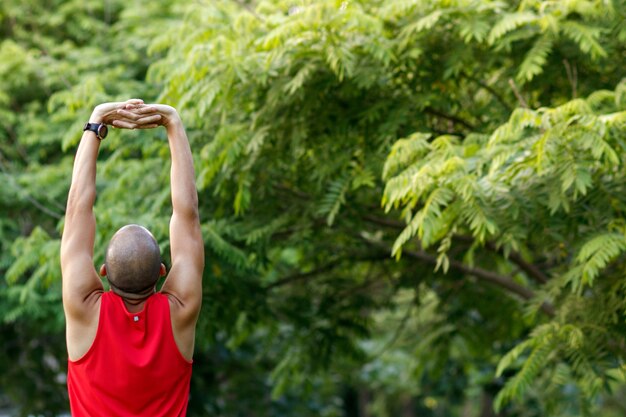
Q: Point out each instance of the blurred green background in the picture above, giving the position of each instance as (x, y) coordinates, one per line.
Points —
(410, 207)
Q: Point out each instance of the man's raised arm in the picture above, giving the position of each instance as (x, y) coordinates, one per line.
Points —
(184, 281)
(79, 275)
(80, 278)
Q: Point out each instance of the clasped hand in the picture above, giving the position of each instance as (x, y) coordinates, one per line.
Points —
(134, 114)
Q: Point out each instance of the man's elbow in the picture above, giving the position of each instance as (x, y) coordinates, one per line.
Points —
(189, 212)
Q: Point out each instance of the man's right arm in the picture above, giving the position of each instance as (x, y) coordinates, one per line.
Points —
(80, 279)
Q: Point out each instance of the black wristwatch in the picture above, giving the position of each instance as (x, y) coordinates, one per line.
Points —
(100, 129)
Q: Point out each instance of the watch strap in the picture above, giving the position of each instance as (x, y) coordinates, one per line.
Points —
(95, 128)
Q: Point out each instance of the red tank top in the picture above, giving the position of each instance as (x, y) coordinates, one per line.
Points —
(134, 367)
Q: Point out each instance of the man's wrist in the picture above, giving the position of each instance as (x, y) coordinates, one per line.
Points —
(174, 122)
(96, 117)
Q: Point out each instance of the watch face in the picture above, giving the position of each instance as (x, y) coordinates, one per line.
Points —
(102, 131)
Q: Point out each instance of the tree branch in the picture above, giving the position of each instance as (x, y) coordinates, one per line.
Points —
(383, 221)
(303, 276)
(532, 270)
(452, 118)
(572, 76)
(324, 268)
(490, 89)
(519, 96)
(499, 280)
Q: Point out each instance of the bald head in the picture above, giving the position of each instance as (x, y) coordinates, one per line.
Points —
(133, 262)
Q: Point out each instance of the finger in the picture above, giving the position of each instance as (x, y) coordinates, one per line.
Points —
(134, 101)
(149, 119)
(135, 120)
(144, 109)
(124, 124)
(130, 106)
(150, 126)
(141, 109)
(129, 114)
(136, 114)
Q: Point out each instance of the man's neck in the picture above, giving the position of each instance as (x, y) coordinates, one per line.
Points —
(134, 306)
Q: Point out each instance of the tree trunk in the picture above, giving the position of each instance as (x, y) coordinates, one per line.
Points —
(365, 398)
(408, 408)
(486, 406)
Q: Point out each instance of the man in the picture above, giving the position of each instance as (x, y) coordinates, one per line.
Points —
(130, 349)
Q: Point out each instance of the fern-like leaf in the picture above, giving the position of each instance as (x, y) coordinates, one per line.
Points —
(225, 250)
(535, 59)
(509, 22)
(586, 37)
(404, 152)
(334, 198)
(517, 386)
(598, 252)
(425, 23)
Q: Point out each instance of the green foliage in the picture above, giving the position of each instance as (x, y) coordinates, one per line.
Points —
(409, 207)
(545, 164)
